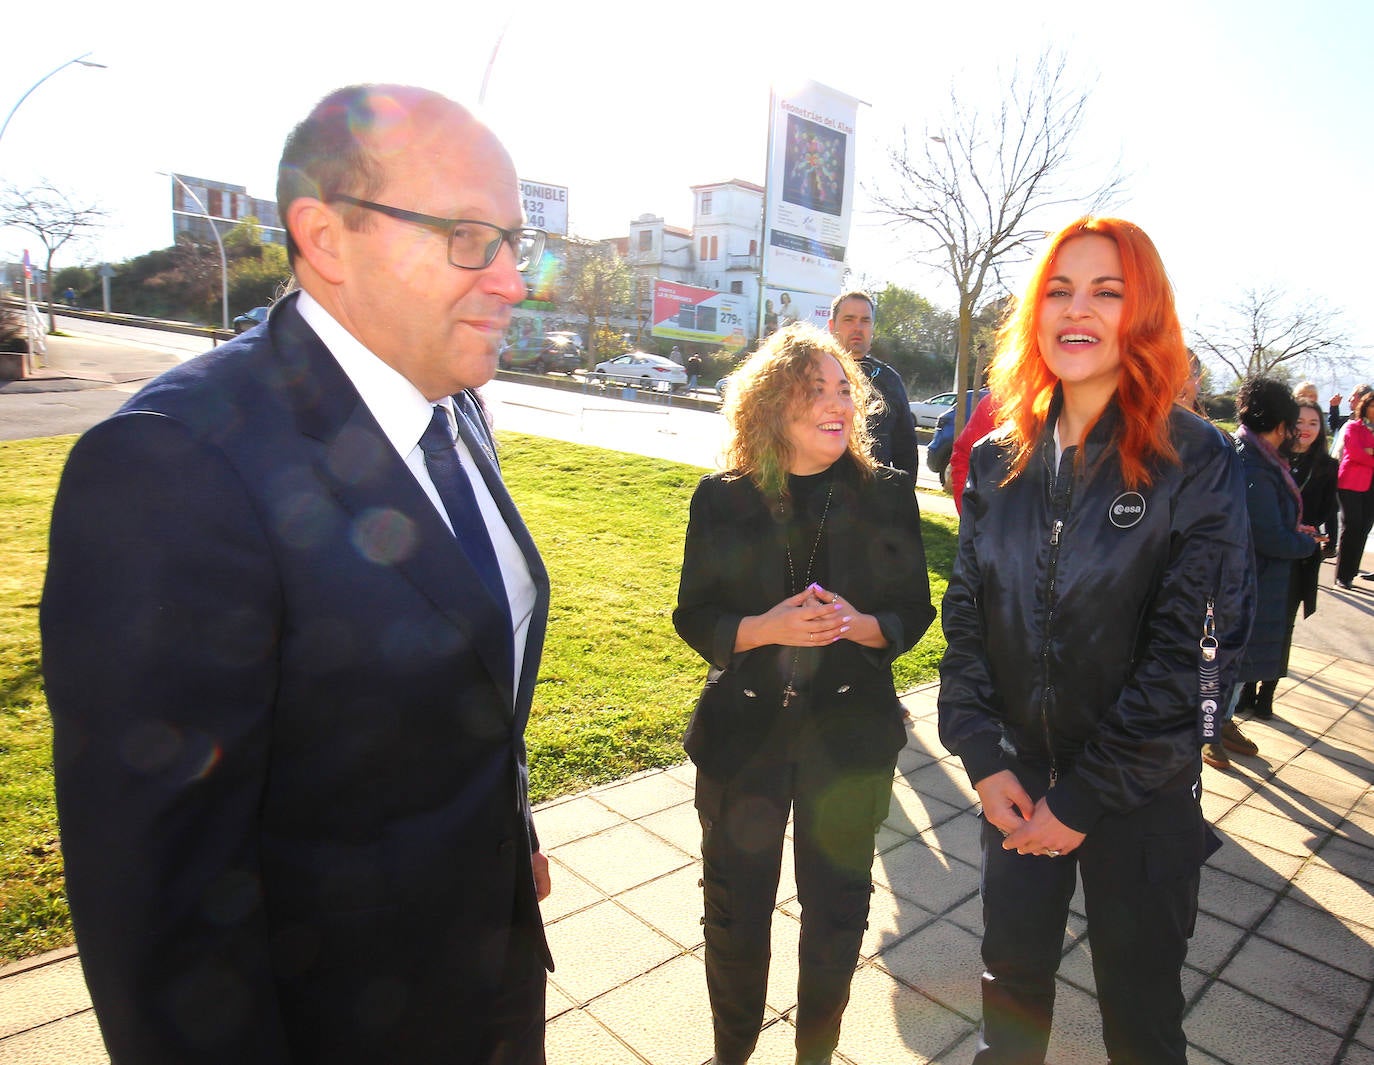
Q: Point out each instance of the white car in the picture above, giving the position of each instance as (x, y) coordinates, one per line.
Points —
(644, 370)
(927, 411)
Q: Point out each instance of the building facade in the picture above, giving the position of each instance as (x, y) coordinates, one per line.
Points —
(227, 204)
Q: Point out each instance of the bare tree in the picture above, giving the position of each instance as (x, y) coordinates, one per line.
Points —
(596, 283)
(1266, 332)
(972, 186)
(50, 213)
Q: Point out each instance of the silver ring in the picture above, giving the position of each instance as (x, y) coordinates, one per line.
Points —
(1051, 854)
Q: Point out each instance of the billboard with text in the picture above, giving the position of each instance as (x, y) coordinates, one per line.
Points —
(700, 315)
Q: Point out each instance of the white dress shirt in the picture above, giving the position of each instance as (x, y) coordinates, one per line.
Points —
(403, 414)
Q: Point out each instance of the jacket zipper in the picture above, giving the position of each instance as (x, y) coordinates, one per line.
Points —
(1048, 692)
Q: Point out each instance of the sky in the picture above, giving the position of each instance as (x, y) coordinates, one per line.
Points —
(1242, 126)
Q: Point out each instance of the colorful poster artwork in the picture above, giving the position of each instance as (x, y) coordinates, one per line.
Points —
(810, 189)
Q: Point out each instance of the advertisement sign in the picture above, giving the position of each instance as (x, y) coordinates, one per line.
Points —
(783, 306)
(810, 188)
(701, 315)
(545, 206)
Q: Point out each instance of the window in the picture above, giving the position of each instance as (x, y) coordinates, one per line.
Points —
(705, 203)
(753, 247)
(715, 248)
(737, 287)
(646, 240)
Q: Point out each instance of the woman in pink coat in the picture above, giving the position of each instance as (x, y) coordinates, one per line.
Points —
(1353, 488)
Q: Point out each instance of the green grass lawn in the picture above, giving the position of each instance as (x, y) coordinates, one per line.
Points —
(615, 687)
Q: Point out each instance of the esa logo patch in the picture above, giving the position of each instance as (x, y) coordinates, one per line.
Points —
(1127, 509)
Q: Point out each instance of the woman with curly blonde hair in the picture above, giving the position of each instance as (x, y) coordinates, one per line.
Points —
(803, 579)
(1100, 595)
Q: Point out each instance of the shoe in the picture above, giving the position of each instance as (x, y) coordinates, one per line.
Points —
(1247, 698)
(1343, 585)
(1234, 740)
(1367, 576)
(1214, 754)
(1264, 702)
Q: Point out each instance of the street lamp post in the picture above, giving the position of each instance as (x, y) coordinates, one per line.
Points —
(80, 60)
(223, 261)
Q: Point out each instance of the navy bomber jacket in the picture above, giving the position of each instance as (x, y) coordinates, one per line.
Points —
(1075, 609)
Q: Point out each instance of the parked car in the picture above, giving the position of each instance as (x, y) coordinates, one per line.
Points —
(643, 370)
(559, 351)
(250, 319)
(941, 446)
(927, 411)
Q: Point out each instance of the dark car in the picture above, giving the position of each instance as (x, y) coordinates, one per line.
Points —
(560, 351)
(250, 319)
(941, 445)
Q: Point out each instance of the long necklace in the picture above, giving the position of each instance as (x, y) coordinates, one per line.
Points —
(790, 692)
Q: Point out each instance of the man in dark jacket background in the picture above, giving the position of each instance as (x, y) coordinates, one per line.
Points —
(852, 315)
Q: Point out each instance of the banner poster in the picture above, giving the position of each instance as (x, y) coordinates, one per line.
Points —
(545, 206)
(810, 188)
(783, 306)
(701, 315)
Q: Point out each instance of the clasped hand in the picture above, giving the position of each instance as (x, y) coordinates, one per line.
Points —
(1029, 827)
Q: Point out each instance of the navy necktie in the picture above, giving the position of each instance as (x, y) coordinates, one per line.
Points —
(455, 491)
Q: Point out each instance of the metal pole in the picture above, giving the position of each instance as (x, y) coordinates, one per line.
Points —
(223, 261)
(79, 61)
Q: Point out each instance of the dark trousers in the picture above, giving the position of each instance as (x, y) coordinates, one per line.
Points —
(1140, 883)
(1357, 515)
(835, 816)
(513, 1028)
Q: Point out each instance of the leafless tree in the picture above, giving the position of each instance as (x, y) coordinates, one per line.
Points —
(596, 283)
(51, 214)
(973, 185)
(1267, 332)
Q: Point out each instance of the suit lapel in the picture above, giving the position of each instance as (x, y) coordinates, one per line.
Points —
(396, 523)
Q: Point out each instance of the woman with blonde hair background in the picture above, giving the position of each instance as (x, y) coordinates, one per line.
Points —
(803, 579)
(1103, 537)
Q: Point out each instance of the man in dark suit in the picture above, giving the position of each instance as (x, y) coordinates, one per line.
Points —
(291, 629)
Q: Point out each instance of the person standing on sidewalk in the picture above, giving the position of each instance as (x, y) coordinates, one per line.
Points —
(1268, 413)
(893, 429)
(1355, 487)
(1103, 532)
(803, 579)
(291, 628)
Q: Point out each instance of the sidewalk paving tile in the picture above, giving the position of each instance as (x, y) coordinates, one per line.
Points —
(620, 857)
(1333, 891)
(565, 820)
(1077, 1035)
(672, 904)
(887, 1022)
(928, 878)
(1232, 899)
(1319, 935)
(679, 825)
(1353, 858)
(69, 1041)
(1240, 1028)
(645, 794)
(1245, 822)
(570, 892)
(1315, 991)
(41, 994)
(663, 1016)
(576, 1036)
(1214, 939)
(940, 961)
(603, 947)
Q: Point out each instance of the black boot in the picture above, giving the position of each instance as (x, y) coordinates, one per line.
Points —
(1247, 699)
(1264, 700)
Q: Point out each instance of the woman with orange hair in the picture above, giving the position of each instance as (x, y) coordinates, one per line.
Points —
(1103, 536)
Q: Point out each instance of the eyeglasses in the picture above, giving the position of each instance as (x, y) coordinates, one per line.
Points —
(472, 245)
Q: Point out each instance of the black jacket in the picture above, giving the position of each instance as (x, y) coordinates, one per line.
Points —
(1273, 511)
(733, 566)
(1075, 609)
(894, 430)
